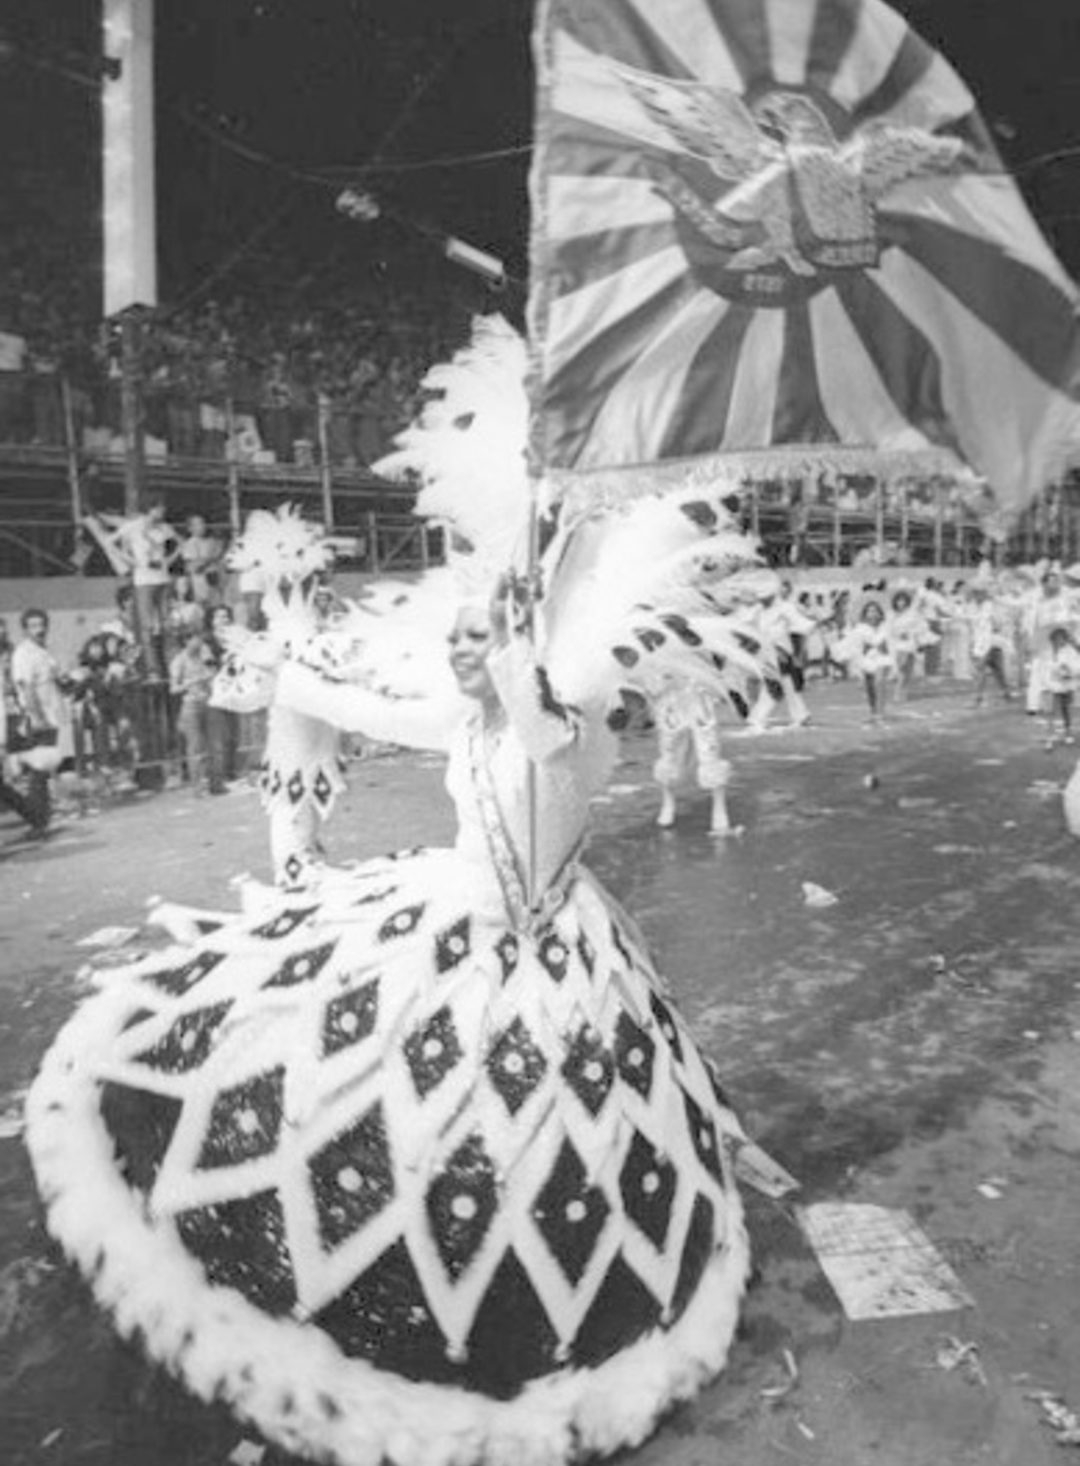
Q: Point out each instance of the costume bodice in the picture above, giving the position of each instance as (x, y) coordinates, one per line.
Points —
(488, 780)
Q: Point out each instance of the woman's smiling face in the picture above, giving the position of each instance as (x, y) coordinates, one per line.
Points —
(470, 642)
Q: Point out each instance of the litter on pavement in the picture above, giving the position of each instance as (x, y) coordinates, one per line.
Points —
(814, 895)
(879, 1262)
(754, 1168)
(109, 936)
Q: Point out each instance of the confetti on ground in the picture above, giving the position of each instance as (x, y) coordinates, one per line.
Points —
(109, 936)
(818, 896)
(1065, 1423)
(775, 1393)
(880, 1264)
(952, 1354)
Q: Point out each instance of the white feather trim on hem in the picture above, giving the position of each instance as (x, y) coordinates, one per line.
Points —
(292, 1381)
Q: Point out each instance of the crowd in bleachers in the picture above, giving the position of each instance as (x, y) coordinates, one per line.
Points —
(249, 374)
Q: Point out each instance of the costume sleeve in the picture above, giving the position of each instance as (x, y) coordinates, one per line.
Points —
(413, 722)
(544, 723)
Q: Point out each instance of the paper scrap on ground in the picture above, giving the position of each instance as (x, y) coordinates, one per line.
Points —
(247, 1453)
(12, 1124)
(880, 1264)
(754, 1168)
(109, 936)
(1064, 1422)
(817, 895)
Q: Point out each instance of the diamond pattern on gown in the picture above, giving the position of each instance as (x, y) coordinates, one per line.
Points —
(666, 1023)
(461, 1203)
(705, 1139)
(431, 1051)
(589, 1069)
(647, 1184)
(284, 923)
(635, 1055)
(188, 1041)
(515, 1065)
(301, 966)
(245, 1121)
(476, 1188)
(507, 950)
(555, 956)
(179, 980)
(402, 923)
(352, 1178)
(350, 1018)
(453, 945)
(242, 1244)
(570, 1213)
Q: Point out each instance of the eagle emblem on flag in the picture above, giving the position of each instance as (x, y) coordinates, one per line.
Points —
(770, 184)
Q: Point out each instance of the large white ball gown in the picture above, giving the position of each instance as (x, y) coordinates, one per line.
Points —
(406, 1166)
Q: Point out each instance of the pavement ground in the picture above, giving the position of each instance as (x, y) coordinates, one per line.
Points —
(905, 1046)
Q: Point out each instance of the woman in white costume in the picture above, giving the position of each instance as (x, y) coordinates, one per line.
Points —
(421, 1165)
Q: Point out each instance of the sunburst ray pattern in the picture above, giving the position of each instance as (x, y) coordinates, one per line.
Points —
(762, 222)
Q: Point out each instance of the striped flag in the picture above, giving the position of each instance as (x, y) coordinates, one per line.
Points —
(767, 222)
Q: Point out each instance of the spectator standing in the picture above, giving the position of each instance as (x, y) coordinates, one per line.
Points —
(222, 724)
(991, 632)
(191, 672)
(200, 555)
(10, 797)
(40, 695)
(1061, 679)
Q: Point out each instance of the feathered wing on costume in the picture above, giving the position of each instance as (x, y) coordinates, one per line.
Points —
(652, 596)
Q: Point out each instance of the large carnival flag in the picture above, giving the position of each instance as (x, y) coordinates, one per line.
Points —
(760, 222)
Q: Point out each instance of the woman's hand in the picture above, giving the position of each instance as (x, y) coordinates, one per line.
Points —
(511, 608)
(499, 610)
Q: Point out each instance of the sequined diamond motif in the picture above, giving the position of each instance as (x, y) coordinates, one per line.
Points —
(635, 1054)
(179, 980)
(453, 945)
(515, 1065)
(401, 923)
(301, 966)
(244, 1121)
(461, 1202)
(352, 1178)
(350, 1018)
(188, 1041)
(647, 1184)
(570, 1213)
(589, 1070)
(432, 1050)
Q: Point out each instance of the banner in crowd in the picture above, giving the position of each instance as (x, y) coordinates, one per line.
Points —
(762, 222)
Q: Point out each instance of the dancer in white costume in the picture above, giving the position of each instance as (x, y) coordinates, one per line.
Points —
(687, 727)
(421, 1165)
(280, 557)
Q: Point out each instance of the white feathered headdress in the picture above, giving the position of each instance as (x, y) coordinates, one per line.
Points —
(467, 450)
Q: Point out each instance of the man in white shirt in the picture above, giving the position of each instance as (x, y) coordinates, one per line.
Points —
(201, 555)
(39, 694)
